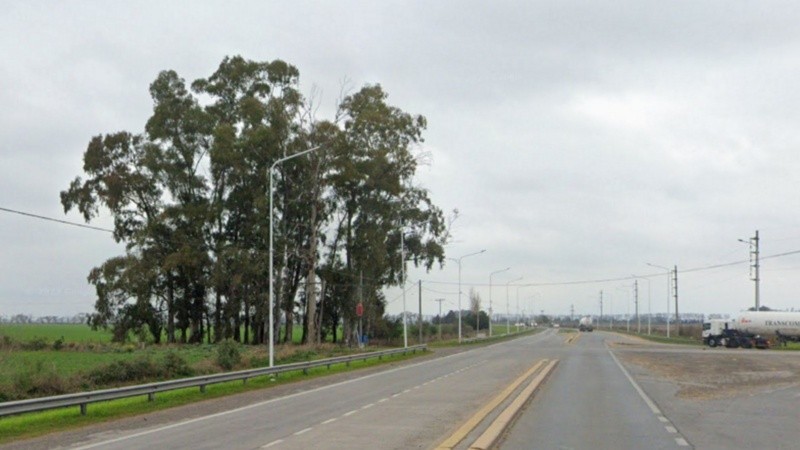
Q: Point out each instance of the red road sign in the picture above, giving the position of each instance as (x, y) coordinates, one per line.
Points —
(359, 310)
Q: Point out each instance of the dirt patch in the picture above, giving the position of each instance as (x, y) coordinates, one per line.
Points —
(717, 375)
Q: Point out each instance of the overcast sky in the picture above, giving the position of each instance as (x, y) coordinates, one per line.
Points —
(578, 140)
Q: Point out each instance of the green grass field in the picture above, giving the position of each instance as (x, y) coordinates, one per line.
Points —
(52, 332)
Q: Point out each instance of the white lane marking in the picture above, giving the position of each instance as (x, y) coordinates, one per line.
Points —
(328, 421)
(650, 403)
(368, 406)
(397, 395)
(663, 419)
(272, 443)
(644, 396)
(383, 400)
(305, 430)
(682, 442)
(406, 391)
(350, 413)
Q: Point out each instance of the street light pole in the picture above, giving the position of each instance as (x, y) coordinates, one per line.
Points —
(458, 261)
(271, 251)
(517, 321)
(491, 316)
(508, 310)
(669, 272)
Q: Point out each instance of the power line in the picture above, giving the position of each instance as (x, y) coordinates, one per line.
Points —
(50, 219)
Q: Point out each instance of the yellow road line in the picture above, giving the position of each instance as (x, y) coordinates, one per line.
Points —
(492, 434)
(473, 421)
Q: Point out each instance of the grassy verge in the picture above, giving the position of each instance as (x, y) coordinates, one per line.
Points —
(495, 338)
(37, 424)
(683, 340)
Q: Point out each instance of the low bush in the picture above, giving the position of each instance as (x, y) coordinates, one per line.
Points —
(228, 354)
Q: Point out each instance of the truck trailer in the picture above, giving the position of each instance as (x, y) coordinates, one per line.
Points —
(585, 324)
(750, 328)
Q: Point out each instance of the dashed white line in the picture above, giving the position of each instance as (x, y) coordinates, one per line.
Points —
(671, 429)
(328, 421)
(383, 400)
(272, 443)
(303, 431)
(682, 442)
(663, 419)
(350, 413)
(368, 406)
(397, 395)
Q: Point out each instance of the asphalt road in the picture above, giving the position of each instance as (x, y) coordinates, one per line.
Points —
(595, 398)
(411, 406)
(589, 402)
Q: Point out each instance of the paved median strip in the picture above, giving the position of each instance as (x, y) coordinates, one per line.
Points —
(492, 434)
(476, 419)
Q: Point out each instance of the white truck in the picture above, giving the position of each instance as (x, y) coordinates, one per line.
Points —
(585, 324)
(750, 328)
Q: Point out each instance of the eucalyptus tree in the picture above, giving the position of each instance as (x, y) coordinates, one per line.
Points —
(375, 200)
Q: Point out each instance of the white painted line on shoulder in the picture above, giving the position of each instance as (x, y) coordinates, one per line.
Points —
(272, 443)
(397, 395)
(303, 431)
(368, 406)
(671, 429)
(350, 413)
(663, 419)
(682, 442)
(383, 400)
(328, 421)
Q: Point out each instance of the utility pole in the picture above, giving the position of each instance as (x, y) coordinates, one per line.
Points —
(677, 317)
(599, 322)
(754, 266)
(440, 300)
(636, 302)
(572, 312)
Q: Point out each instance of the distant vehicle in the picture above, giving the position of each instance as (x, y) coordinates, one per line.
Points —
(555, 325)
(748, 330)
(585, 324)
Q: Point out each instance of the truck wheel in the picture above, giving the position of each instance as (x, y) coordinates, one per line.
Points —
(712, 342)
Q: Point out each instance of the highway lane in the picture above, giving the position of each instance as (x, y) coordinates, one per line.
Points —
(414, 405)
(589, 402)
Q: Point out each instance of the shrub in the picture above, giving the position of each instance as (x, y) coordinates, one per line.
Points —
(228, 354)
(123, 372)
(173, 366)
(38, 380)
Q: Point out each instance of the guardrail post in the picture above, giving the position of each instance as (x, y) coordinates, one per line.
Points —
(305, 371)
(83, 409)
(151, 396)
(244, 380)
(203, 388)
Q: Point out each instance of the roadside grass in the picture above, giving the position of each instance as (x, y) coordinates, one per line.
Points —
(790, 346)
(497, 336)
(682, 340)
(36, 424)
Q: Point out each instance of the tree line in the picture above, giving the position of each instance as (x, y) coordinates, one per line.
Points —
(189, 196)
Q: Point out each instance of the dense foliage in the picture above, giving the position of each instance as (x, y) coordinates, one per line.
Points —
(190, 199)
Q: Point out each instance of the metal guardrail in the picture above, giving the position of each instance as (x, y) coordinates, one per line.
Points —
(82, 399)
